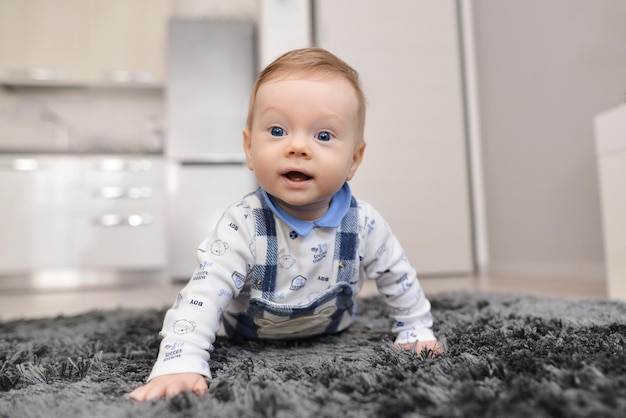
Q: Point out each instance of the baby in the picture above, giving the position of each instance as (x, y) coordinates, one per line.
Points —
(288, 260)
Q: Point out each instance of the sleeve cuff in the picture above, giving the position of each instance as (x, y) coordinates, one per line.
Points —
(189, 363)
(411, 335)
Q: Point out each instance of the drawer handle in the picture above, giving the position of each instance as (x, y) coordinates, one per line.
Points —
(140, 220)
(115, 219)
(117, 164)
(139, 192)
(25, 164)
(110, 219)
(117, 192)
(111, 192)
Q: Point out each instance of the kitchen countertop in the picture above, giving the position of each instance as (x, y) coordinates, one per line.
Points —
(80, 152)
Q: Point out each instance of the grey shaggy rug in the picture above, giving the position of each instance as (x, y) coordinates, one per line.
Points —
(507, 356)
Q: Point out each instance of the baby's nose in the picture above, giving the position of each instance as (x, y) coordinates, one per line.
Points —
(299, 146)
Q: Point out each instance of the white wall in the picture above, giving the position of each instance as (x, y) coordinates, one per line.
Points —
(545, 68)
(414, 170)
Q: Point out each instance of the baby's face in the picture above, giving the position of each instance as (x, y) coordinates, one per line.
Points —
(303, 145)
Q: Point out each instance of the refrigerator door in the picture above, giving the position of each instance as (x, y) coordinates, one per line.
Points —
(211, 67)
(199, 195)
(211, 70)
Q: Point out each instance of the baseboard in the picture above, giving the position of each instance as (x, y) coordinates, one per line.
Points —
(592, 272)
(78, 278)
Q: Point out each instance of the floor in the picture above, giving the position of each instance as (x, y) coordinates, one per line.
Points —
(16, 304)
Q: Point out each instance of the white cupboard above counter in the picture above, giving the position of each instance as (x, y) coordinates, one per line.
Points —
(81, 212)
(83, 42)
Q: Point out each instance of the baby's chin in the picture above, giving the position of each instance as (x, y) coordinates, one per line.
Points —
(306, 210)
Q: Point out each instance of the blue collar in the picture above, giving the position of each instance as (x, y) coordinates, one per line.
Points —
(339, 205)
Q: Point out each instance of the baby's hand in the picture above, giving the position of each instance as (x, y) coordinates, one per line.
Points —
(170, 385)
(430, 348)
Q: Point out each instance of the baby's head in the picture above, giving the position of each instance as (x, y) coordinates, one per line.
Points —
(304, 134)
(312, 62)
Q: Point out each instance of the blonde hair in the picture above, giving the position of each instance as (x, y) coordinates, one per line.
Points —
(316, 61)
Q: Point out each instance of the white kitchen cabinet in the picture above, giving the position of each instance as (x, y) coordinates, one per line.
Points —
(415, 166)
(42, 39)
(34, 219)
(127, 40)
(83, 42)
(81, 212)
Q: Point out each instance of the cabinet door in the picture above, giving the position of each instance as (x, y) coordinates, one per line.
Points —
(193, 211)
(120, 239)
(43, 39)
(127, 40)
(35, 213)
(16, 187)
(415, 169)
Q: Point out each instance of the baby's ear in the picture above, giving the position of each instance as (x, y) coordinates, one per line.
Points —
(357, 158)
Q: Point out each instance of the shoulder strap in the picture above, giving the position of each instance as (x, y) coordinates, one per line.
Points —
(346, 245)
(266, 246)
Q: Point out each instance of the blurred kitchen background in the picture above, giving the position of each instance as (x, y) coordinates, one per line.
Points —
(496, 138)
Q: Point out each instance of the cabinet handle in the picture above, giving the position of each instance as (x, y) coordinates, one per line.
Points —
(25, 164)
(126, 76)
(115, 219)
(20, 164)
(111, 192)
(39, 74)
(140, 220)
(117, 192)
(139, 192)
(117, 164)
(110, 219)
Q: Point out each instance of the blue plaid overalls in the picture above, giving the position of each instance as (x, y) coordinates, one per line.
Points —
(324, 314)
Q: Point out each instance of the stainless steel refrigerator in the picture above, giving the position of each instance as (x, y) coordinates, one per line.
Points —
(211, 67)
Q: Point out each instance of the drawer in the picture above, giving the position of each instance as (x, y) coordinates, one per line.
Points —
(122, 171)
(32, 182)
(139, 197)
(121, 239)
(30, 241)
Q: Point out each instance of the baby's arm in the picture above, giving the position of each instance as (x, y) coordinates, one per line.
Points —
(190, 326)
(384, 260)
(170, 385)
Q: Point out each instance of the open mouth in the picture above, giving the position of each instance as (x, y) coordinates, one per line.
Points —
(297, 176)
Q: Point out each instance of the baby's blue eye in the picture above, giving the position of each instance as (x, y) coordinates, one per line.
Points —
(276, 131)
(323, 136)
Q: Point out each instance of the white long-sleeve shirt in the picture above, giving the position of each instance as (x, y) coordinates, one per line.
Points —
(263, 274)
